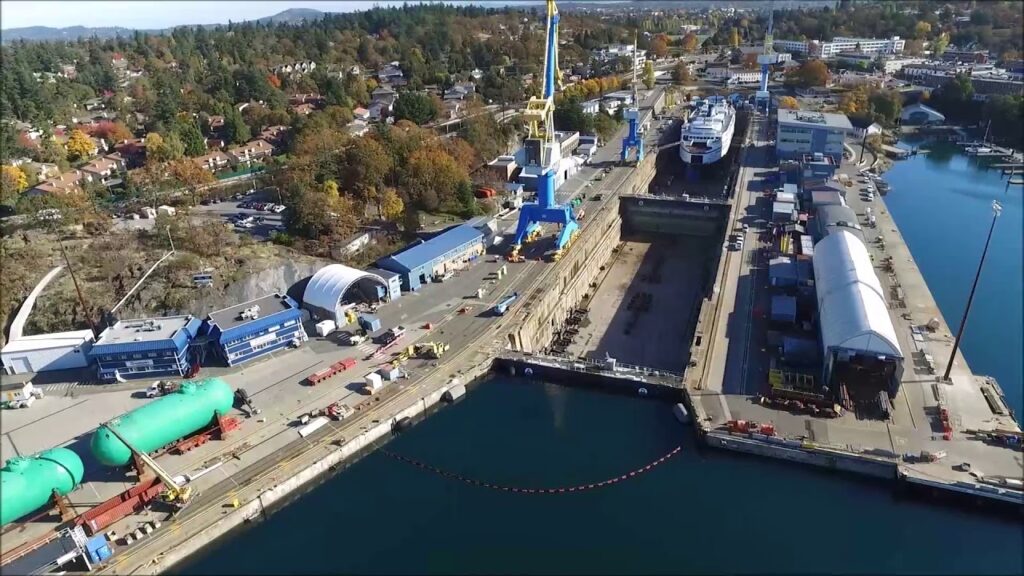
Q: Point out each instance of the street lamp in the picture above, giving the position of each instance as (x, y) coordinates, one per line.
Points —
(996, 209)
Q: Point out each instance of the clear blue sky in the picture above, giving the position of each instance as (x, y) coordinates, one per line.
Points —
(135, 14)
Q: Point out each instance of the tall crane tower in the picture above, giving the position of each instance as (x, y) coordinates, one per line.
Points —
(767, 59)
(633, 140)
(543, 153)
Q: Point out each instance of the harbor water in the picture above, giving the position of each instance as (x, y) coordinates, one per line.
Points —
(942, 203)
(700, 511)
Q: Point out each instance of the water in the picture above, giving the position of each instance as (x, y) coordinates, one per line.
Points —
(699, 512)
(942, 203)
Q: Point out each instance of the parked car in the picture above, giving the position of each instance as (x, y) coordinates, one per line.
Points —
(277, 208)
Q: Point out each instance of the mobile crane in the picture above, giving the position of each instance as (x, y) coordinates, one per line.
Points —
(175, 494)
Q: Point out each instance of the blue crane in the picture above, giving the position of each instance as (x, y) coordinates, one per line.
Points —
(634, 140)
(543, 153)
(767, 59)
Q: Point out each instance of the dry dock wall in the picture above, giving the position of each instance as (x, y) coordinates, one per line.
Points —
(796, 452)
(256, 508)
(547, 306)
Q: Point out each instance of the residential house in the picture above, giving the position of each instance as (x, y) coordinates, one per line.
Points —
(215, 143)
(250, 151)
(68, 71)
(216, 123)
(361, 113)
(106, 169)
(382, 92)
(459, 91)
(214, 161)
(864, 127)
(477, 74)
(303, 109)
(592, 106)
(133, 151)
(66, 183)
(94, 104)
(302, 67)
(275, 135)
(389, 73)
(311, 98)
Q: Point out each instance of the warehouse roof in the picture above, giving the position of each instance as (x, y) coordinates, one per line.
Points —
(326, 288)
(429, 251)
(851, 305)
(48, 341)
(145, 334)
(230, 318)
(814, 119)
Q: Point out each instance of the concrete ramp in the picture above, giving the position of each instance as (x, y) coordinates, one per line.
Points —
(18, 325)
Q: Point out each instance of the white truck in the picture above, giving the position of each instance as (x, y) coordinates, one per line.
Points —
(17, 391)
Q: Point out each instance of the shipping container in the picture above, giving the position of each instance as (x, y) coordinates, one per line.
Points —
(369, 323)
(325, 327)
(374, 382)
(390, 373)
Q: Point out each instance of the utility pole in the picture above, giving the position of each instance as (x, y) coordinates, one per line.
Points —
(81, 300)
(996, 209)
(863, 144)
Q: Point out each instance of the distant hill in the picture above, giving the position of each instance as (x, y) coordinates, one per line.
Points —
(46, 33)
(293, 16)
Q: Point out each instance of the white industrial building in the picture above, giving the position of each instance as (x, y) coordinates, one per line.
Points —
(43, 352)
(327, 292)
(841, 44)
(857, 334)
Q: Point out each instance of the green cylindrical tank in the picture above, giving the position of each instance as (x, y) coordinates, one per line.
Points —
(163, 421)
(27, 482)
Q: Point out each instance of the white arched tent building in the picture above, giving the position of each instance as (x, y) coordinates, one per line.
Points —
(857, 333)
(335, 285)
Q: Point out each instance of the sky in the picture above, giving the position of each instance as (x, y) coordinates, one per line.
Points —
(165, 14)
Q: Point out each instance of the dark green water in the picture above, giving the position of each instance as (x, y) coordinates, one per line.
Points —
(699, 512)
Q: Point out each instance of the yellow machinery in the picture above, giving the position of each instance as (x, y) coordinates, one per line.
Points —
(432, 350)
(174, 494)
(350, 316)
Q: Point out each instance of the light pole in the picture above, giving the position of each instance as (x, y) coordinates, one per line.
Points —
(996, 209)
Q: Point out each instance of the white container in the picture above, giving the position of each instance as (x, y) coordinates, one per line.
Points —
(374, 382)
(324, 328)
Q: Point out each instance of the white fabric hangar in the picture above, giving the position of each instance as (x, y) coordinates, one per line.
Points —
(327, 288)
(852, 311)
(851, 303)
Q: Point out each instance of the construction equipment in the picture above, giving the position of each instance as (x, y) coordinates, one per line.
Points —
(633, 140)
(542, 149)
(18, 393)
(767, 60)
(431, 350)
(175, 494)
(243, 397)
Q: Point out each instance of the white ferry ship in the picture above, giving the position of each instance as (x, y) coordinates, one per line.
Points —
(708, 134)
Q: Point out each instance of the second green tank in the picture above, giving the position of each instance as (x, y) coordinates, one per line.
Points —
(28, 482)
(163, 421)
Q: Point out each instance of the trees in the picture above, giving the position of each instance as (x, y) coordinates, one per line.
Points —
(690, 42)
(79, 145)
(1006, 113)
(415, 107)
(366, 166)
(681, 73)
(160, 149)
(569, 116)
(432, 179)
(659, 46)
(191, 138)
(190, 175)
(789, 103)
(391, 205)
(810, 73)
(236, 131)
(648, 78)
(12, 183)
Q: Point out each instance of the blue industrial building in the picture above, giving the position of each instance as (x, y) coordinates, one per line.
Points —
(251, 329)
(146, 348)
(448, 251)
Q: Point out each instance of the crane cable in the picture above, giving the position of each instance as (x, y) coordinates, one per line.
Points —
(518, 490)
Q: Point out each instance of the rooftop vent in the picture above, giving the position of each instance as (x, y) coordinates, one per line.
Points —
(812, 117)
